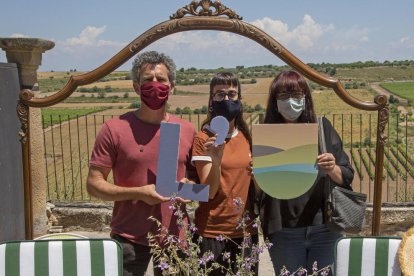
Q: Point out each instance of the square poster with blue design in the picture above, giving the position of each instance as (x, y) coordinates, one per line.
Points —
(284, 157)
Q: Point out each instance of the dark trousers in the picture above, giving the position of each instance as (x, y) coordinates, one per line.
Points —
(136, 258)
(218, 248)
(301, 247)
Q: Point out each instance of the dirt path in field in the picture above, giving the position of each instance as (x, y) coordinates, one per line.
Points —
(385, 92)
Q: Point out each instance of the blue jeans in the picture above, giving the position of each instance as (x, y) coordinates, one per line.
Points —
(301, 247)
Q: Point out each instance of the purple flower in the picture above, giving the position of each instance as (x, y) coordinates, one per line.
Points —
(269, 245)
(246, 264)
(193, 228)
(302, 272)
(238, 202)
(325, 271)
(207, 257)
(179, 213)
(246, 241)
(163, 266)
(210, 257)
(246, 218)
(284, 271)
(315, 266)
(254, 225)
(172, 239)
(226, 256)
(221, 238)
(258, 250)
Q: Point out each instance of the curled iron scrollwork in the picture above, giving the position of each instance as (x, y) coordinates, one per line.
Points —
(382, 122)
(23, 114)
(205, 8)
(26, 94)
(383, 114)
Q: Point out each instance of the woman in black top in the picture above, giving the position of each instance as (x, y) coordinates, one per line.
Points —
(296, 226)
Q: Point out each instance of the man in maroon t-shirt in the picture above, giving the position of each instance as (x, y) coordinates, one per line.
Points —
(128, 146)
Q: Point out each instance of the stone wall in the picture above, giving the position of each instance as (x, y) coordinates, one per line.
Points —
(395, 218)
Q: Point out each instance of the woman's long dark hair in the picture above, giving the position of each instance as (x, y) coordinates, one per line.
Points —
(227, 78)
(289, 82)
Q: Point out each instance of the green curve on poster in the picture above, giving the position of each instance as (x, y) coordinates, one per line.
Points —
(285, 185)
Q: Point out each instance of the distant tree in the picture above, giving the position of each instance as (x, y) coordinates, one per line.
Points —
(247, 108)
(178, 110)
(393, 100)
(126, 95)
(253, 81)
(197, 111)
(181, 70)
(204, 109)
(101, 94)
(258, 107)
(187, 110)
(108, 88)
(135, 105)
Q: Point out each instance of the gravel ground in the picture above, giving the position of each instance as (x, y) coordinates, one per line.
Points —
(265, 265)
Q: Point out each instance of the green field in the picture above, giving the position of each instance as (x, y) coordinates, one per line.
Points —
(403, 89)
(57, 115)
(375, 74)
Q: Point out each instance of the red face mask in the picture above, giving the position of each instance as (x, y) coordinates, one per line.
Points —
(154, 94)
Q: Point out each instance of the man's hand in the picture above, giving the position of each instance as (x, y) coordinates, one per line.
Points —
(150, 196)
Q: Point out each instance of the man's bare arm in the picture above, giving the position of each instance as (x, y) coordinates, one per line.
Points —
(98, 186)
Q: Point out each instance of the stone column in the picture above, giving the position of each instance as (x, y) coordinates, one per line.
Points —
(27, 54)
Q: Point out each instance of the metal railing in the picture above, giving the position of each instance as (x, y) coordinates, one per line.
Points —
(68, 144)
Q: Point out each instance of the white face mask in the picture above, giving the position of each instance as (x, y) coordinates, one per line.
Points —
(291, 108)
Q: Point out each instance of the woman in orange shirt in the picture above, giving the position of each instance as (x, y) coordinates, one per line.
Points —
(226, 169)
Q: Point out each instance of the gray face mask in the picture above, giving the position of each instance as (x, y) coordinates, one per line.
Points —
(291, 108)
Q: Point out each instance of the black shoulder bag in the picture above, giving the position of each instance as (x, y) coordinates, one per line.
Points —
(344, 208)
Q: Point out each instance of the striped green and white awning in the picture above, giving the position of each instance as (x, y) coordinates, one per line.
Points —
(101, 257)
(360, 256)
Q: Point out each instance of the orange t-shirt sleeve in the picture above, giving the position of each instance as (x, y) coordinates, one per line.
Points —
(198, 152)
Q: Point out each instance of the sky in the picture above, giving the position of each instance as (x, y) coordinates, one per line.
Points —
(89, 32)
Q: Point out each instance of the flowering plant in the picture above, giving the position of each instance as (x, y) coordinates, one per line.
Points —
(182, 256)
(303, 272)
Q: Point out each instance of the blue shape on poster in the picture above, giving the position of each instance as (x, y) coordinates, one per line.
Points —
(220, 126)
(166, 183)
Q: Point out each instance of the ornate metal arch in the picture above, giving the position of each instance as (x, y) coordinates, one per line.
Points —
(213, 15)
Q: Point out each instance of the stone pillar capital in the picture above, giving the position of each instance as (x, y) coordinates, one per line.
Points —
(27, 54)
